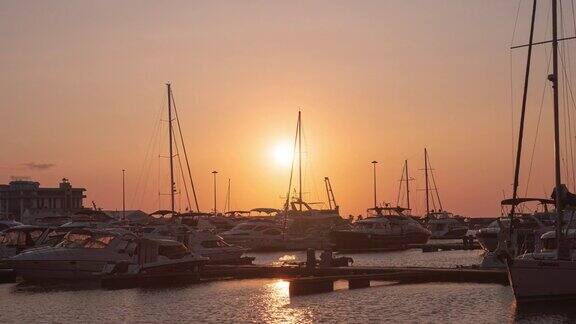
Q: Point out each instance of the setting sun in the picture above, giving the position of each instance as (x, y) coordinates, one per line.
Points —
(282, 154)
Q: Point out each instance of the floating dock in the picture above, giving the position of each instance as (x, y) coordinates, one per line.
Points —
(318, 284)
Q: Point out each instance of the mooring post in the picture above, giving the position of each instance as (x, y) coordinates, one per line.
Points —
(310, 260)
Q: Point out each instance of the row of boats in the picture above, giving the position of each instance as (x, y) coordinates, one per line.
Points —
(94, 244)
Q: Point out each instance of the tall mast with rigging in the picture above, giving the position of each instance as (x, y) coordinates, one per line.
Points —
(407, 184)
(168, 88)
(300, 159)
(562, 251)
(427, 186)
(522, 117)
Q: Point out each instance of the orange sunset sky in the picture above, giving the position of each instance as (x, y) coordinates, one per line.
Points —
(82, 84)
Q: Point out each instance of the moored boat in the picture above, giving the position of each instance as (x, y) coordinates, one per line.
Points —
(388, 229)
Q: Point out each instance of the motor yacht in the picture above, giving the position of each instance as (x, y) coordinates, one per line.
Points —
(92, 254)
(256, 235)
(89, 219)
(528, 226)
(202, 242)
(19, 238)
(386, 228)
(445, 225)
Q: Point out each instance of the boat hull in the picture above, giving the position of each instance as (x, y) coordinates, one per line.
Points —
(33, 270)
(453, 233)
(542, 279)
(351, 240)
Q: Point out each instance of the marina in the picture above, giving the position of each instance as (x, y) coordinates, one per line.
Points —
(238, 162)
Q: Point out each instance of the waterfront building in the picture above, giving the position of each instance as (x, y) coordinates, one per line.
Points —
(20, 196)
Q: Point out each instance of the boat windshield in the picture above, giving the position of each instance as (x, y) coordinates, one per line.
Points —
(20, 238)
(87, 241)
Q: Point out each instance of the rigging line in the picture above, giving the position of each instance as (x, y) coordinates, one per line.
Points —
(544, 88)
(434, 183)
(183, 177)
(562, 55)
(309, 169)
(287, 203)
(567, 90)
(151, 159)
(185, 154)
(147, 155)
(568, 140)
(400, 188)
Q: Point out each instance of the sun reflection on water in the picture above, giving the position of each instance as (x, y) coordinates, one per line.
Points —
(278, 305)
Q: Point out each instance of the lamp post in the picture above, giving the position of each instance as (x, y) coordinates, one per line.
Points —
(215, 173)
(374, 168)
(123, 195)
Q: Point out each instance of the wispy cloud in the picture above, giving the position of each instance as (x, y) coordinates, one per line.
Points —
(38, 166)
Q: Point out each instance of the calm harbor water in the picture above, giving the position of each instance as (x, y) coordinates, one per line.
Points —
(268, 300)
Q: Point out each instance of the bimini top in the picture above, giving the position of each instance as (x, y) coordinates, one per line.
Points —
(193, 214)
(163, 212)
(266, 210)
(396, 209)
(517, 201)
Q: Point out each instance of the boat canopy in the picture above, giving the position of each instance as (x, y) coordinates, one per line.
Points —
(163, 212)
(517, 201)
(380, 210)
(193, 214)
(265, 210)
(232, 212)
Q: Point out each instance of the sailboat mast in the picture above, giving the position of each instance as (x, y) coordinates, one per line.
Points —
(554, 79)
(374, 175)
(300, 159)
(407, 184)
(426, 176)
(522, 116)
(228, 203)
(168, 87)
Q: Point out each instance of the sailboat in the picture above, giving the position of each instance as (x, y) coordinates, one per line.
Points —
(547, 274)
(304, 225)
(442, 224)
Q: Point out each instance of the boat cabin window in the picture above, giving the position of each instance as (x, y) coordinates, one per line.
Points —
(19, 238)
(54, 238)
(173, 251)
(79, 240)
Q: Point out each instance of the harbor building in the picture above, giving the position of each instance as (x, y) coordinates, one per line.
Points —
(20, 196)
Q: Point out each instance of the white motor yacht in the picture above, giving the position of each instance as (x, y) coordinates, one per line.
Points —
(385, 228)
(19, 238)
(204, 243)
(445, 225)
(256, 235)
(92, 254)
(527, 226)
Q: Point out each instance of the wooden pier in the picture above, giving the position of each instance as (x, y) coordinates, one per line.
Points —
(319, 284)
(305, 280)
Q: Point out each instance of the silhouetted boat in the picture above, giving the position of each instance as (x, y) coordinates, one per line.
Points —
(388, 229)
(548, 274)
(93, 254)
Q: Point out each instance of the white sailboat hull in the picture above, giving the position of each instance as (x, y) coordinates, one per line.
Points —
(533, 279)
